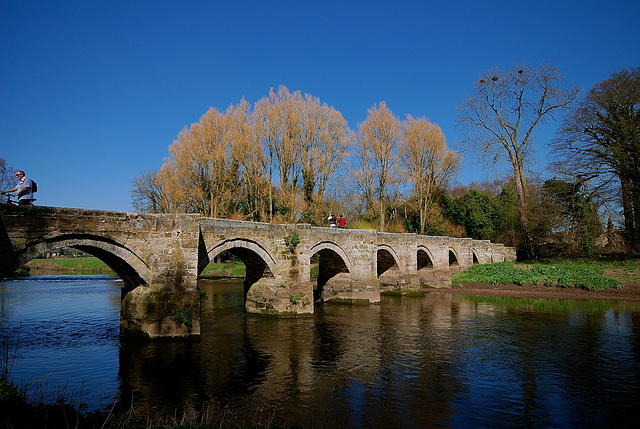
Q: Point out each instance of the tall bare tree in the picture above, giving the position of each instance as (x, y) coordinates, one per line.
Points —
(147, 193)
(600, 141)
(378, 137)
(426, 161)
(7, 175)
(499, 119)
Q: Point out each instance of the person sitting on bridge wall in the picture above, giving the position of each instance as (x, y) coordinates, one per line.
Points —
(23, 188)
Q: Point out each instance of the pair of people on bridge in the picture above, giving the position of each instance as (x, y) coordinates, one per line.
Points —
(341, 221)
(23, 190)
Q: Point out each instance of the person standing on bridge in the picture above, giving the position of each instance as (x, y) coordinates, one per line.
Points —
(342, 222)
(23, 189)
(332, 220)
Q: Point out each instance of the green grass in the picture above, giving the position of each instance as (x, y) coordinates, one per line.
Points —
(91, 265)
(83, 265)
(580, 274)
(224, 269)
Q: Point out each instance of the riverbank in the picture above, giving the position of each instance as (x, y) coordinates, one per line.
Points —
(91, 265)
(629, 292)
(599, 279)
(67, 266)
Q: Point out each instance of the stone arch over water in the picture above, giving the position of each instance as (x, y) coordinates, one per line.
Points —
(425, 259)
(259, 263)
(387, 259)
(333, 268)
(129, 266)
(453, 258)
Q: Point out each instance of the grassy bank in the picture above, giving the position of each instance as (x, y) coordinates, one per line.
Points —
(67, 266)
(224, 269)
(91, 265)
(587, 275)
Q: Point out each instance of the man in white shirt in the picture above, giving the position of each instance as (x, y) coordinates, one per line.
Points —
(23, 189)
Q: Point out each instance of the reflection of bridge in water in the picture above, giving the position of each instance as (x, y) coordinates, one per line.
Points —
(160, 256)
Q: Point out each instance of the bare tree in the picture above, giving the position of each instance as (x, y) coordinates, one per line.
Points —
(201, 174)
(7, 175)
(500, 117)
(426, 161)
(146, 195)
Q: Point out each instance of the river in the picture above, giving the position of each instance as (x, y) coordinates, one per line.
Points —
(438, 360)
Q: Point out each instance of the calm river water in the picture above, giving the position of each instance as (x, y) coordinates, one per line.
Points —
(433, 361)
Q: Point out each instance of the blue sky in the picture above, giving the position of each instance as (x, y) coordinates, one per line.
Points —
(93, 93)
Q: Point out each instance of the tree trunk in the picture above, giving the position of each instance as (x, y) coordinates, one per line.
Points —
(627, 210)
(423, 216)
(522, 211)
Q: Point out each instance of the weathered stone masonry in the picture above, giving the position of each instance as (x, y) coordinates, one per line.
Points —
(159, 258)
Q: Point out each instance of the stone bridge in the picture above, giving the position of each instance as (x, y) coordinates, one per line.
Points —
(159, 258)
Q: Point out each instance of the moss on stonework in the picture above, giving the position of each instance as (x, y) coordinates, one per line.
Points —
(184, 316)
(135, 331)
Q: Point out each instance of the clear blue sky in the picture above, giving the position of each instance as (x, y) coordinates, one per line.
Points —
(93, 93)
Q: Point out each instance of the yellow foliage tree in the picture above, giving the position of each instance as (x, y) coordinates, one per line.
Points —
(426, 161)
(377, 154)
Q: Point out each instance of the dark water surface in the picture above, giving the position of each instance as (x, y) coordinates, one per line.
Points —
(437, 360)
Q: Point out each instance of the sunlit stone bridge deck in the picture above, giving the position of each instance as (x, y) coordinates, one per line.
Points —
(159, 258)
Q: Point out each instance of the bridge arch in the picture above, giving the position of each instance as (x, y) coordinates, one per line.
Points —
(333, 266)
(425, 258)
(454, 260)
(333, 247)
(387, 259)
(502, 257)
(258, 261)
(122, 260)
(474, 256)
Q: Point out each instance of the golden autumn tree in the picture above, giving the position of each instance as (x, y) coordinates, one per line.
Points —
(325, 138)
(305, 144)
(278, 124)
(254, 187)
(200, 173)
(426, 161)
(377, 154)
